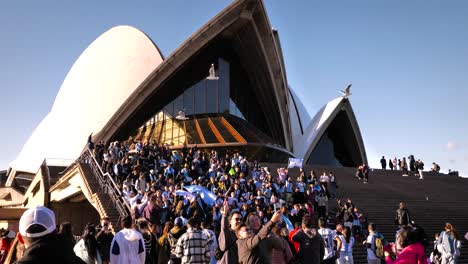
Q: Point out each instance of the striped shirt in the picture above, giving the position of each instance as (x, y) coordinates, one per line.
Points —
(193, 247)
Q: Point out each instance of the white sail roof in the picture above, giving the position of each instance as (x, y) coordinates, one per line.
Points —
(99, 82)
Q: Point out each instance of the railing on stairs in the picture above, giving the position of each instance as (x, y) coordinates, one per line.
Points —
(106, 183)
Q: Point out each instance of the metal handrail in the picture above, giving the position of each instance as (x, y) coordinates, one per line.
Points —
(107, 182)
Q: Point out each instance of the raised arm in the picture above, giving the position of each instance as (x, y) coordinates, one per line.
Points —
(226, 238)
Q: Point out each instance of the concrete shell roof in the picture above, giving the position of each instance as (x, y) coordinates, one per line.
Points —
(318, 125)
(102, 78)
(245, 24)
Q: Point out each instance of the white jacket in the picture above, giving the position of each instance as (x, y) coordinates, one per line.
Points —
(82, 252)
(127, 247)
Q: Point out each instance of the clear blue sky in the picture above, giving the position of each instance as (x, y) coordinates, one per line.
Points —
(407, 60)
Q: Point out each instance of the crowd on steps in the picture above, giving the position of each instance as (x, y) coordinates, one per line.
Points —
(192, 205)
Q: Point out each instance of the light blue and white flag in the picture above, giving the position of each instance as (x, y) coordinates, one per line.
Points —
(295, 163)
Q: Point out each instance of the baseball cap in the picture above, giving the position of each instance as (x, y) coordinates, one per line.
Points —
(9, 234)
(179, 221)
(38, 215)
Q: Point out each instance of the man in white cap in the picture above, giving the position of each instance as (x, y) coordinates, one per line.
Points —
(37, 228)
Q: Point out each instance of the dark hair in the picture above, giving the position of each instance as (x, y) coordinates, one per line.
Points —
(322, 222)
(346, 231)
(126, 222)
(142, 224)
(89, 237)
(167, 227)
(65, 231)
(306, 221)
(232, 214)
(247, 222)
(193, 222)
(372, 226)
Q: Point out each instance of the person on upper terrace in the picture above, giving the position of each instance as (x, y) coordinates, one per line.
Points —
(420, 168)
(383, 162)
(359, 173)
(395, 163)
(404, 166)
(365, 172)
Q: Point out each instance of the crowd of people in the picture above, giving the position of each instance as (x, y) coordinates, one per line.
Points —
(255, 216)
(410, 165)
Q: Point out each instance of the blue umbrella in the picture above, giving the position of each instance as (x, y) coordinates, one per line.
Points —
(208, 197)
(186, 194)
(288, 223)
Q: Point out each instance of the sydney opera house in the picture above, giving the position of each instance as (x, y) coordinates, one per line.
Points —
(224, 88)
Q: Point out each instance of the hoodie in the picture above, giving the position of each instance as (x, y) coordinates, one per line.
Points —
(173, 236)
(127, 247)
(311, 246)
(412, 254)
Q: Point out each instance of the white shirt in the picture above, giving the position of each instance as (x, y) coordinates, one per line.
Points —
(346, 248)
(324, 178)
(328, 236)
(371, 250)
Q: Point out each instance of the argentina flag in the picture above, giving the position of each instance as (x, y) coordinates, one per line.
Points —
(293, 162)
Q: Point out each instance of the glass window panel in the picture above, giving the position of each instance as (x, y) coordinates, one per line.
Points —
(178, 105)
(211, 96)
(200, 97)
(188, 101)
(228, 137)
(206, 130)
(178, 136)
(169, 109)
(192, 134)
(241, 127)
(223, 86)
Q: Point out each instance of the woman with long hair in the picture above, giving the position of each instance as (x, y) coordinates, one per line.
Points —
(149, 240)
(66, 234)
(347, 244)
(283, 255)
(87, 248)
(449, 245)
(413, 243)
(164, 248)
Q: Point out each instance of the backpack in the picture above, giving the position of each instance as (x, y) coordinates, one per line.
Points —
(379, 242)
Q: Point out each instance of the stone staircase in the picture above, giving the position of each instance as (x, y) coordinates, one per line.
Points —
(432, 202)
(105, 193)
